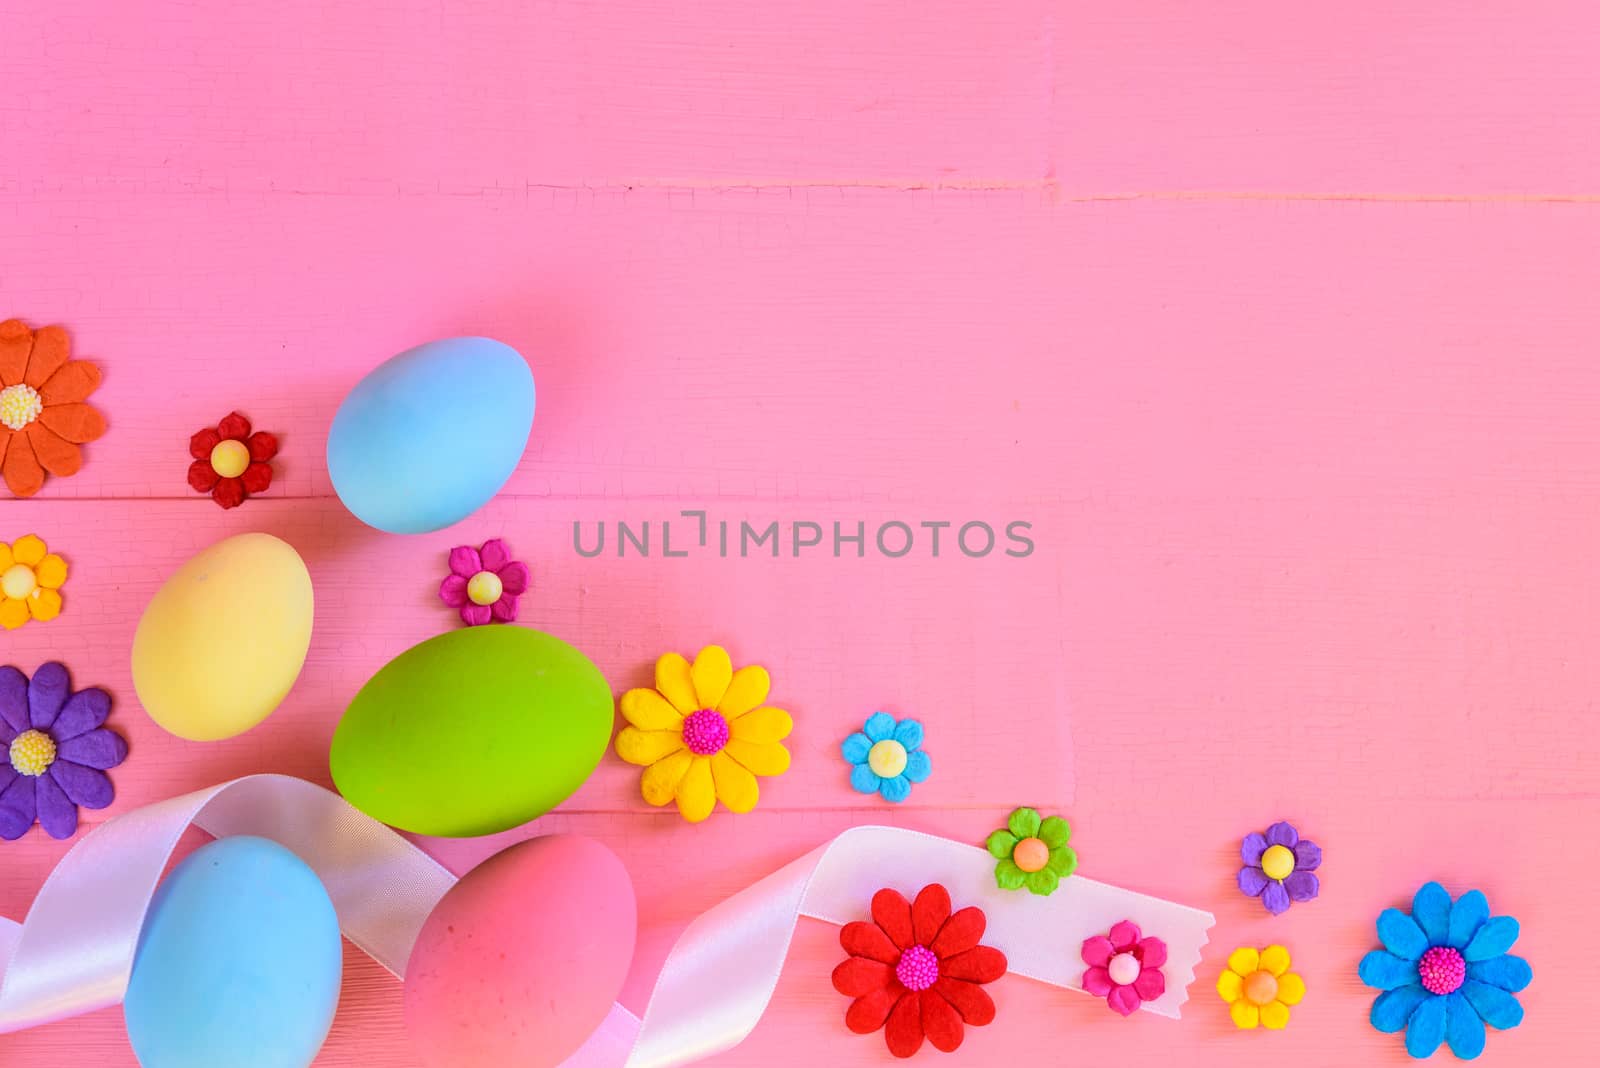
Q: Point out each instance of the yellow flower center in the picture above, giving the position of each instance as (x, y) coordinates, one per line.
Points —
(484, 588)
(18, 581)
(230, 458)
(887, 759)
(19, 405)
(1277, 862)
(32, 753)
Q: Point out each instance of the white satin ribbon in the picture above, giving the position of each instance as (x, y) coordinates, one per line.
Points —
(75, 951)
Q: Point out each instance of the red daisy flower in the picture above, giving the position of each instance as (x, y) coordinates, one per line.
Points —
(230, 463)
(916, 971)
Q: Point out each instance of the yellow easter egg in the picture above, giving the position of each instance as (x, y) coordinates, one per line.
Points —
(221, 643)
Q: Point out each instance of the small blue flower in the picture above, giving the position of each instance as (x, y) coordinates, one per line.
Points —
(1445, 972)
(886, 757)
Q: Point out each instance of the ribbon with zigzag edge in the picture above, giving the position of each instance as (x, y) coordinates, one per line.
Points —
(75, 951)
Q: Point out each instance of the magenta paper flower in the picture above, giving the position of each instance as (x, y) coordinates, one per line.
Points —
(484, 583)
(1124, 968)
(53, 751)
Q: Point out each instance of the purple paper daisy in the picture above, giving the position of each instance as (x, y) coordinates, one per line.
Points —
(1278, 867)
(484, 583)
(55, 751)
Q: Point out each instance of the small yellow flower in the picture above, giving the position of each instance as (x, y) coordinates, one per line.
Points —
(30, 582)
(704, 733)
(1259, 987)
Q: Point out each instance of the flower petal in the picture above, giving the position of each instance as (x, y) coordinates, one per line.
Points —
(494, 554)
(29, 549)
(56, 455)
(1246, 1016)
(262, 446)
(981, 964)
(14, 700)
(1152, 952)
(765, 724)
(97, 749)
(21, 469)
(453, 590)
(1291, 988)
(697, 793)
(16, 342)
(475, 615)
(659, 783)
(1151, 984)
(71, 384)
(963, 930)
(234, 425)
(257, 478)
(80, 423)
(647, 709)
(228, 492)
(1307, 855)
(515, 578)
(1282, 833)
(201, 442)
(51, 349)
(1493, 939)
(929, 912)
(1063, 861)
(1507, 973)
(1275, 1016)
(918, 766)
(47, 693)
(856, 976)
(57, 814)
(1253, 846)
(1024, 822)
(903, 1030)
(712, 671)
(19, 806)
(1401, 935)
(747, 690)
(868, 1012)
(1425, 1031)
(736, 787)
(1124, 1000)
(88, 787)
(895, 790)
(940, 1022)
(1125, 935)
(1055, 832)
(908, 732)
(1007, 876)
(44, 605)
(1385, 971)
(856, 749)
(1252, 881)
(1244, 960)
(83, 712)
(202, 476)
(13, 613)
(1097, 951)
(1275, 897)
(1275, 959)
(879, 726)
(1392, 1010)
(863, 780)
(892, 912)
(465, 561)
(1000, 844)
(1097, 981)
(1499, 1008)
(1230, 985)
(1463, 1030)
(646, 747)
(970, 1000)
(674, 681)
(1301, 885)
(1470, 912)
(862, 939)
(763, 758)
(505, 609)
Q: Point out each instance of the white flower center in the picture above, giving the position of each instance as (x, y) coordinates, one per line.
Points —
(19, 405)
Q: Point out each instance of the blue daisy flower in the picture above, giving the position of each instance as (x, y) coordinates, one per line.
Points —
(1444, 972)
(886, 757)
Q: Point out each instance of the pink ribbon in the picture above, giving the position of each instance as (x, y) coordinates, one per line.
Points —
(75, 951)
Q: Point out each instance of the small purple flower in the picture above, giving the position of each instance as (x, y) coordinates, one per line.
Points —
(484, 583)
(55, 751)
(1278, 867)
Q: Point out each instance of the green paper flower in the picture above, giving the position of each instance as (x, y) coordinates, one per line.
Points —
(1032, 852)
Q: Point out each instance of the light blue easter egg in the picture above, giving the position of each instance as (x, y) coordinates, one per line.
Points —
(238, 964)
(428, 437)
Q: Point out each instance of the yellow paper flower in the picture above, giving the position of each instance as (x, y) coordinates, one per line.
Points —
(1259, 987)
(704, 734)
(30, 582)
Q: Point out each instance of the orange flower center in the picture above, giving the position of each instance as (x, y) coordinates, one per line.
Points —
(19, 405)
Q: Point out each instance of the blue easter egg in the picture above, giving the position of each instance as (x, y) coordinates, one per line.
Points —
(238, 964)
(428, 437)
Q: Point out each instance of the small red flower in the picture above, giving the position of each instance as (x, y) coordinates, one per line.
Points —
(230, 463)
(917, 971)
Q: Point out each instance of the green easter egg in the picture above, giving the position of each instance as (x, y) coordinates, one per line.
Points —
(473, 732)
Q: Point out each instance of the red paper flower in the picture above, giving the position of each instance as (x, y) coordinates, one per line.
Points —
(917, 971)
(230, 463)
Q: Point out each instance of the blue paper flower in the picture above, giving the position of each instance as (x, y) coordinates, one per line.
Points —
(887, 757)
(1444, 973)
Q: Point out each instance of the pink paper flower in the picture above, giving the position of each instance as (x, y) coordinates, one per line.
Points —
(484, 583)
(1124, 968)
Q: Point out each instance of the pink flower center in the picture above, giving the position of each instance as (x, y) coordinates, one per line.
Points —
(1442, 970)
(705, 732)
(918, 968)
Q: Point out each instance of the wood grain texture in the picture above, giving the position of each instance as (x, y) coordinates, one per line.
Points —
(1249, 313)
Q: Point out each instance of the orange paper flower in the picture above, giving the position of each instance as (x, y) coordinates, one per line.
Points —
(43, 417)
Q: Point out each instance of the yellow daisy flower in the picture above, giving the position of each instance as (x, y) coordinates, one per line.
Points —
(30, 582)
(1259, 987)
(704, 733)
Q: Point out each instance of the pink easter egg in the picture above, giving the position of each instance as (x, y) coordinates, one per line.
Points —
(523, 958)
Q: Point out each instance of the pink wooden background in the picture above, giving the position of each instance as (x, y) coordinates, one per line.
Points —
(1279, 324)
